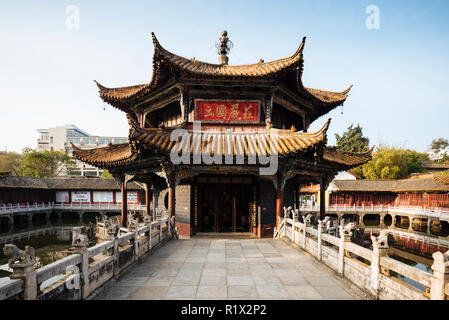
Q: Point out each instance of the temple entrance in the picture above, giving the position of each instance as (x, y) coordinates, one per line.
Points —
(225, 204)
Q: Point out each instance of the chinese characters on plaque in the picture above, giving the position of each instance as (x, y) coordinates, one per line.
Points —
(227, 111)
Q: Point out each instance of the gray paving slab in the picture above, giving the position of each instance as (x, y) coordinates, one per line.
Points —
(229, 269)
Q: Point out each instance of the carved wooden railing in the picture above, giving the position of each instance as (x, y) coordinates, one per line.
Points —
(371, 270)
(78, 275)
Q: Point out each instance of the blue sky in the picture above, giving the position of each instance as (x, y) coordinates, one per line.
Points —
(399, 71)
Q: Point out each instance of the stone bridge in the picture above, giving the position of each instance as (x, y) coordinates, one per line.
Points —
(230, 269)
(302, 262)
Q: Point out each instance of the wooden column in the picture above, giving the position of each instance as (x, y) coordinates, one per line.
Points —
(305, 123)
(254, 211)
(124, 203)
(322, 198)
(171, 193)
(279, 197)
(234, 213)
(148, 198)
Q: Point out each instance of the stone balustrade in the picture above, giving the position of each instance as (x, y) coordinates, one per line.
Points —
(85, 270)
(370, 270)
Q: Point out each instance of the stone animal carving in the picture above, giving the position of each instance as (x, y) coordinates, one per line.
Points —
(146, 219)
(358, 237)
(109, 227)
(307, 218)
(287, 211)
(133, 223)
(381, 241)
(17, 256)
(79, 239)
(347, 229)
(90, 232)
(440, 261)
(295, 214)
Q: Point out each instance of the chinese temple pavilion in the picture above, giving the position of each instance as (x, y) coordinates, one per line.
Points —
(200, 135)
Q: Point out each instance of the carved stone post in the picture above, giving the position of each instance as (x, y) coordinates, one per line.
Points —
(440, 275)
(286, 215)
(133, 226)
(306, 220)
(160, 231)
(295, 214)
(80, 243)
(321, 229)
(345, 236)
(380, 249)
(116, 253)
(22, 264)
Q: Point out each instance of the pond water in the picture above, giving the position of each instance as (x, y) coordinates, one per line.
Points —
(48, 246)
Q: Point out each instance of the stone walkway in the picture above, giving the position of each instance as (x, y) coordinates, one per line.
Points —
(229, 269)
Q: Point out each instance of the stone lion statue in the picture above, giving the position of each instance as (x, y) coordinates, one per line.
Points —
(110, 227)
(307, 218)
(381, 241)
(133, 223)
(79, 239)
(17, 256)
(287, 211)
(347, 229)
(146, 219)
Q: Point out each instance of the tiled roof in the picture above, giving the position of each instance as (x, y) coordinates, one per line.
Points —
(431, 165)
(403, 185)
(166, 64)
(348, 159)
(248, 70)
(112, 154)
(4, 174)
(244, 144)
(23, 182)
(64, 183)
(443, 179)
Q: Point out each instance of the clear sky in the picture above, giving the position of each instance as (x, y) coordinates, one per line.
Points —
(399, 71)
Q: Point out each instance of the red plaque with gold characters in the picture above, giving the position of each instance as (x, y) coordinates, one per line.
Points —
(227, 111)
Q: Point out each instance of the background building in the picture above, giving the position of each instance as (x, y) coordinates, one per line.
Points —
(61, 137)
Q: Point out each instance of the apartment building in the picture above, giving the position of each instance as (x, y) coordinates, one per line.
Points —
(60, 138)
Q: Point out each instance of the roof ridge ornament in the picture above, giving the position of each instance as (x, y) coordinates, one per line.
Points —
(224, 46)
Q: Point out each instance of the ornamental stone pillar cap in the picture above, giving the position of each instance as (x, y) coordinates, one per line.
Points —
(347, 229)
(440, 262)
(381, 241)
(20, 261)
(307, 218)
(79, 241)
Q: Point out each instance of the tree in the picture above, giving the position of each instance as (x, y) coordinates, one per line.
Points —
(352, 140)
(393, 163)
(439, 144)
(9, 162)
(414, 159)
(444, 158)
(44, 164)
(106, 174)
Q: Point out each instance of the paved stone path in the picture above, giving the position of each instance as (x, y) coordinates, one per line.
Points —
(229, 269)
